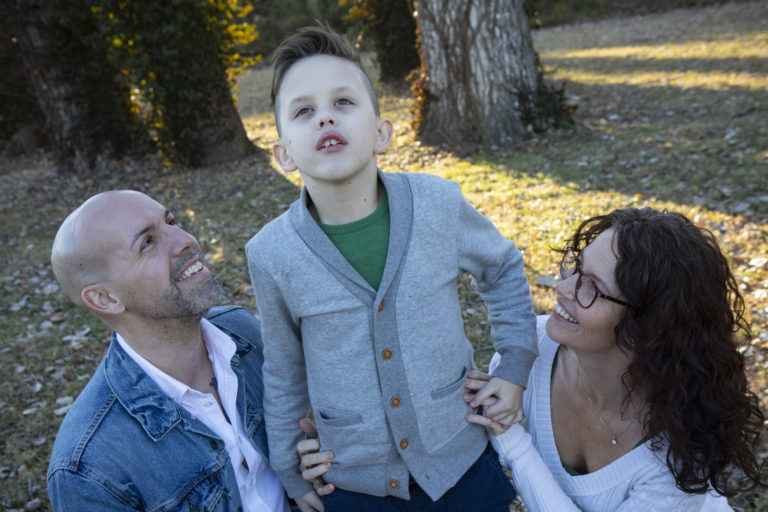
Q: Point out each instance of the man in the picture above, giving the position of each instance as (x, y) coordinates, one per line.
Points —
(172, 419)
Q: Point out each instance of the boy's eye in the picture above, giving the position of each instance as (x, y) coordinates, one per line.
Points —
(343, 101)
(302, 111)
(171, 220)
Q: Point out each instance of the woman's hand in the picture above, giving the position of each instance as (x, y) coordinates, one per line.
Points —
(475, 381)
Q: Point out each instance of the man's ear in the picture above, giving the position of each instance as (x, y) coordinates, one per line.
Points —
(99, 299)
(384, 132)
(282, 157)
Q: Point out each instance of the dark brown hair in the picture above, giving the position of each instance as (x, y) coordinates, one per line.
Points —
(683, 325)
(307, 42)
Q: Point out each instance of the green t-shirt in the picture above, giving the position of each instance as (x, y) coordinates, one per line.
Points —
(364, 242)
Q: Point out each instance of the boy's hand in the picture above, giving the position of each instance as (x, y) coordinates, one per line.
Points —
(314, 464)
(502, 400)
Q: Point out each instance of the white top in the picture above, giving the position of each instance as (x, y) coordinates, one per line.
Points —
(638, 481)
(260, 488)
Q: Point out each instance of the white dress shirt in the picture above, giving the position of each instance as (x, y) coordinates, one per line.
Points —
(260, 488)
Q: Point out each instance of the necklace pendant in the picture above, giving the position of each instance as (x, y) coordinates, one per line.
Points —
(613, 441)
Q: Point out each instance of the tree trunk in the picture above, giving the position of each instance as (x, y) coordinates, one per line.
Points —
(202, 124)
(481, 72)
(85, 113)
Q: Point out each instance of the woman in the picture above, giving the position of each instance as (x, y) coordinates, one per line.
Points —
(639, 398)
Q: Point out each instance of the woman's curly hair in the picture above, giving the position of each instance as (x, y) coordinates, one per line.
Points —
(684, 324)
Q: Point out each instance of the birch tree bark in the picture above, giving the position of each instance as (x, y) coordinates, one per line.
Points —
(481, 72)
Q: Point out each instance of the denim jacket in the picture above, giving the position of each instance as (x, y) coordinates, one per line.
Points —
(125, 445)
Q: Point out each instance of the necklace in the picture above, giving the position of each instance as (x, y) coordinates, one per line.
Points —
(614, 438)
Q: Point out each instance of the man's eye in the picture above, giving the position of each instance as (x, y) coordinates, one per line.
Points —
(146, 243)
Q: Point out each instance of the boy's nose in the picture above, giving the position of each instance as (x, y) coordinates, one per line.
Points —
(325, 119)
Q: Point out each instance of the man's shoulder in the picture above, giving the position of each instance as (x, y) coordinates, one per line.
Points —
(92, 407)
(237, 322)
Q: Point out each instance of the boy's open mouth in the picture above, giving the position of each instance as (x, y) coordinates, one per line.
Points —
(330, 141)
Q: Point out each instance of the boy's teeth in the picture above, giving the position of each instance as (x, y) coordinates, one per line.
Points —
(191, 270)
(330, 142)
(563, 313)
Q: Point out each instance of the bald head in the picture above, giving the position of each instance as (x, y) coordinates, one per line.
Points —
(80, 253)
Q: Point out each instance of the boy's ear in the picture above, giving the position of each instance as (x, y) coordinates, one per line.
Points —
(384, 132)
(282, 157)
(99, 299)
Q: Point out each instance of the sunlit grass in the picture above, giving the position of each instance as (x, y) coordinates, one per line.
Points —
(715, 81)
(754, 46)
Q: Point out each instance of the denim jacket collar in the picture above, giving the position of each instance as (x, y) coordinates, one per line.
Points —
(143, 399)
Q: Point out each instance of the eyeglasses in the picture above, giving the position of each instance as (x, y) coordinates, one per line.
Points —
(586, 289)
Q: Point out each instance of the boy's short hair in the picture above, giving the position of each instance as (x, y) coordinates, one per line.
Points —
(307, 42)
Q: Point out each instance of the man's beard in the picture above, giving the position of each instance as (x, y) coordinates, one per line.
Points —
(191, 305)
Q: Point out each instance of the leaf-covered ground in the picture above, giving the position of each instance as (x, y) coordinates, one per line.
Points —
(671, 113)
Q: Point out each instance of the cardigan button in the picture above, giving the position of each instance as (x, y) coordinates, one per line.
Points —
(403, 444)
(386, 354)
(394, 401)
(381, 305)
(394, 484)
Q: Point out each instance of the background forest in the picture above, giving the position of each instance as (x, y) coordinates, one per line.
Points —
(651, 103)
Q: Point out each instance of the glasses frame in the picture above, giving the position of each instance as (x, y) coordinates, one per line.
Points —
(572, 256)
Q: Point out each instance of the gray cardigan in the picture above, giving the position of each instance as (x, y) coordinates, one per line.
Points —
(384, 370)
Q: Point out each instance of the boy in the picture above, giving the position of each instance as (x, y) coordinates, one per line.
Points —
(356, 287)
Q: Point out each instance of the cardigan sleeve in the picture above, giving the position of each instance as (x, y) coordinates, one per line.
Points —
(497, 268)
(285, 382)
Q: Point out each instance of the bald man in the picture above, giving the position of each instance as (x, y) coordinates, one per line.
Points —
(172, 419)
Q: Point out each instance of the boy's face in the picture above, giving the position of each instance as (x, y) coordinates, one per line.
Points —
(330, 131)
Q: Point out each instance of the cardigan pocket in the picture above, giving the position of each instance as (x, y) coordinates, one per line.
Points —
(338, 418)
(442, 391)
(354, 439)
(441, 413)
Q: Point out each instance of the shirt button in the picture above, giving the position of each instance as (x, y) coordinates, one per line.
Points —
(386, 354)
(403, 444)
(208, 404)
(381, 305)
(394, 401)
(394, 485)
